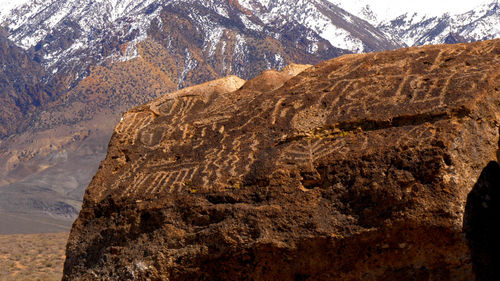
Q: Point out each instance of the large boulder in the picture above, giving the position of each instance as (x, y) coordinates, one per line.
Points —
(377, 166)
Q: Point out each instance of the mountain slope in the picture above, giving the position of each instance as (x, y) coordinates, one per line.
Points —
(20, 85)
(69, 36)
(46, 167)
(340, 28)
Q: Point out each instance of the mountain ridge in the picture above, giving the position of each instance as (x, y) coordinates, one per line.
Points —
(479, 24)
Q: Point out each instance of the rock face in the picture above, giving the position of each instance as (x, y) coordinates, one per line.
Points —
(378, 166)
(20, 86)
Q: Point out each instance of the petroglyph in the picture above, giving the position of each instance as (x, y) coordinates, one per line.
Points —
(164, 181)
(132, 124)
(308, 151)
(178, 106)
(370, 156)
(277, 110)
(214, 138)
(134, 186)
(159, 180)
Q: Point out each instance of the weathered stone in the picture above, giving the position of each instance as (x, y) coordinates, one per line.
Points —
(359, 168)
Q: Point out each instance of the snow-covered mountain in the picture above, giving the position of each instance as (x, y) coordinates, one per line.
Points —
(341, 29)
(378, 11)
(429, 22)
(71, 35)
(480, 23)
(80, 33)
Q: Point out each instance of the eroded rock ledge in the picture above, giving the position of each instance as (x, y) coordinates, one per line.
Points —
(359, 168)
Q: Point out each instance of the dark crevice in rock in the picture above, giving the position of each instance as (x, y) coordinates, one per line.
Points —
(150, 220)
(310, 179)
(481, 219)
(498, 150)
(344, 128)
(401, 121)
(224, 198)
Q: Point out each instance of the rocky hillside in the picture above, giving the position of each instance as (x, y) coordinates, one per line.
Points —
(379, 166)
(20, 84)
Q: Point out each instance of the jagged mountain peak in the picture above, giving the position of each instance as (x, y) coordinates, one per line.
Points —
(337, 26)
(379, 11)
(479, 23)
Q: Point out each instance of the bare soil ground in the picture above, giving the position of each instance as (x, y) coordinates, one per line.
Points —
(32, 256)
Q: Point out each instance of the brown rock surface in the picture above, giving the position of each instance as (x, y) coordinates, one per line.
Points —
(360, 168)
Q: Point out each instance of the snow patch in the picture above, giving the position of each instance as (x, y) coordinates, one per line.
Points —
(386, 10)
(279, 61)
(250, 24)
(189, 64)
(313, 48)
(212, 39)
(338, 37)
(222, 11)
(8, 5)
(223, 51)
(481, 23)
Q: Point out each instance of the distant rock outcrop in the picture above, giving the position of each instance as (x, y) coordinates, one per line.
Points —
(20, 86)
(378, 166)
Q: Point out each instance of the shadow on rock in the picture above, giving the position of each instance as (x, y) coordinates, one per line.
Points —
(481, 223)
